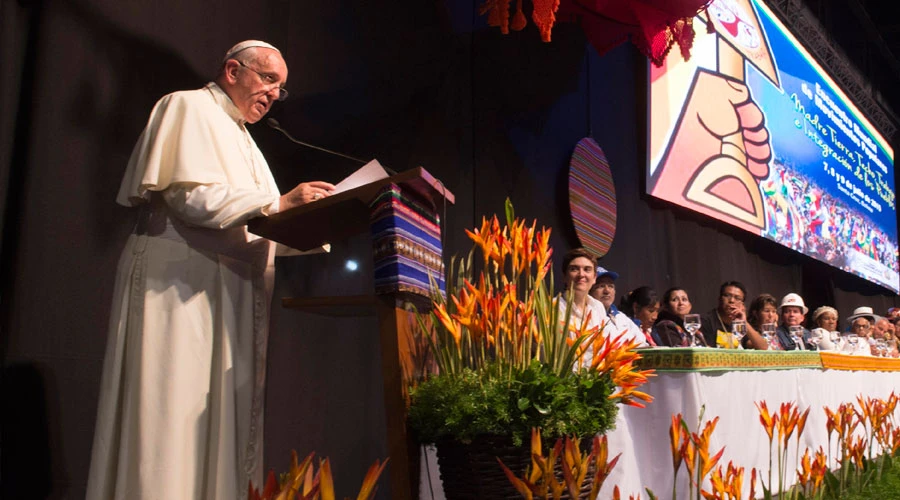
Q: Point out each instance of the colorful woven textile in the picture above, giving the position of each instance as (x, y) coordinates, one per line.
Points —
(592, 197)
(406, 240)
(837, 361)
(705, 359)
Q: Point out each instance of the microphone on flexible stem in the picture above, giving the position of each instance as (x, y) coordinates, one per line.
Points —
(277, 126)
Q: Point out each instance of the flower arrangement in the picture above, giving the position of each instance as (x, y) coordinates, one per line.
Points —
(304, 482)
(503, 349)
(540, 481)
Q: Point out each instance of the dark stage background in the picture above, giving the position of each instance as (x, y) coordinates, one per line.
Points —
(410, 83)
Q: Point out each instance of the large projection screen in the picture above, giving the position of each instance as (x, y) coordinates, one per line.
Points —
(753, 132)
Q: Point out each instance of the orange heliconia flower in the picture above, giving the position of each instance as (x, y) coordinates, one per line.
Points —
(717, 481)
(735, 479)
(895, 440)
(452, 326)
(300, 482)
(788, 417)
(604, 468)
(690, 458)
(804, 474)
(703, 441)
(857, 449)
(676, 442)
(768, 421)
(618, 357)
(753, 483)
(819, 468)
(832, 421)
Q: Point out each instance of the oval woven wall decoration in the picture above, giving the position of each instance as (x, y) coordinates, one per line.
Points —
(592, 197)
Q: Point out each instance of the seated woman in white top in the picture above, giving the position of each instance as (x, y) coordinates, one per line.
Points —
(579, 274)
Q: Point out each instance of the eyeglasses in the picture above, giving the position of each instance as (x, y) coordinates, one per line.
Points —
(267, 79)
(732, 296)
(860, 326)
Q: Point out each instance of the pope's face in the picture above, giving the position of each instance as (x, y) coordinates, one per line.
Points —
(255, 85)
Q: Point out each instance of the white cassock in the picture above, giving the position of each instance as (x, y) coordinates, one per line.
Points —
(181, 398)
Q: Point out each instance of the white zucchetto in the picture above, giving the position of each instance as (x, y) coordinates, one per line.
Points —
(246, 44)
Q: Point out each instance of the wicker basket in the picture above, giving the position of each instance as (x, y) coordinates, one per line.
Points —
(471, 471)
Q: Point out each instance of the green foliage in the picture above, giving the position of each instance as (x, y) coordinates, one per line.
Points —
(867, 484)
(477, 403)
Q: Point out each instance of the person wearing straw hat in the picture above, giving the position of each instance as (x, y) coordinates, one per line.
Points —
(180, 414)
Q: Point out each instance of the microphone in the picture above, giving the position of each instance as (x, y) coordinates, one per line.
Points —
(277, 126)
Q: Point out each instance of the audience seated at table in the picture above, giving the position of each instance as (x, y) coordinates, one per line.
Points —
(861, 322)
(579, 275)
(825, 317)
(792, 312)
(882, 328)
(825, 326)
(642, 306)
(763, 310)
(619, 325)
(717, 323)
(892, 351)
(893, 315)
(669, 325)
(882, 333)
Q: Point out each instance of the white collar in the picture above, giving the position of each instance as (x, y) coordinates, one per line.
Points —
(225, 102)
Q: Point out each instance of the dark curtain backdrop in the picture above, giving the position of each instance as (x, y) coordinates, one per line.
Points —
(410, 83)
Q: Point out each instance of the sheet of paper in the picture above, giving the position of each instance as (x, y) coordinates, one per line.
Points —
(370, 172)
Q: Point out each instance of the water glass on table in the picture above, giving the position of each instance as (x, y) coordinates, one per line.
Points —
(796, 332)
(692, 325)
(880, 348)
(853, 339)
(815, 337)
(738, 330)
(768, 332)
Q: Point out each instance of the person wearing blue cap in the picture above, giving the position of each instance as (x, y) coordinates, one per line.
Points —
(620, 325)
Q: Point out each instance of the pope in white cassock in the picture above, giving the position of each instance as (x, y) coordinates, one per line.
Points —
(181, 398)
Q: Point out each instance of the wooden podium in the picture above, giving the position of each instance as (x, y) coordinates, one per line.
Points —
(401, 211)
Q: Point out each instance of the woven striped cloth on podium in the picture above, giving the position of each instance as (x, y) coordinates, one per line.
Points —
(406, 240)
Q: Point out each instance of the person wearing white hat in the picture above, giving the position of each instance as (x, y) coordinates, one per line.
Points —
(183, 384)
(861, 322)
(620, 325)
(792, 312)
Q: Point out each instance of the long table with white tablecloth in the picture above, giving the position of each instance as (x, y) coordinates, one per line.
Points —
(725, 383)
